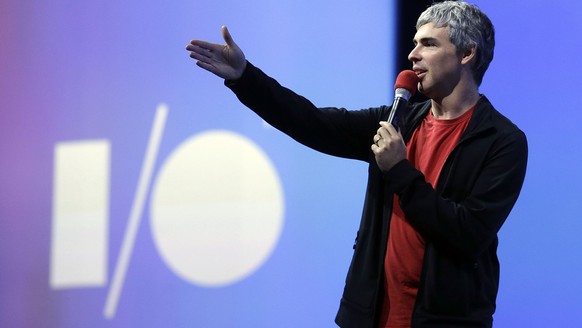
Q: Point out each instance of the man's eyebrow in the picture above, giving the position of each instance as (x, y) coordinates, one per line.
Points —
(424, 40)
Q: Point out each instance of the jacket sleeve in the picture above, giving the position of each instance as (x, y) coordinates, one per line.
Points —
(476, 196)
(334, 131)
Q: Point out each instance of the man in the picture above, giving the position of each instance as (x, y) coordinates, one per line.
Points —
(438, 190)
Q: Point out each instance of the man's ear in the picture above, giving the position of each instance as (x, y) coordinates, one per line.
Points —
(468, 54)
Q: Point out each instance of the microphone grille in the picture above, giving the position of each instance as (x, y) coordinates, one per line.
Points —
(408, 80)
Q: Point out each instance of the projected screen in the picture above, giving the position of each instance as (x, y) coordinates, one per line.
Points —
(136, 191)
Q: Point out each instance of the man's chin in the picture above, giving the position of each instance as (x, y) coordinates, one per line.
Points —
(421, 88)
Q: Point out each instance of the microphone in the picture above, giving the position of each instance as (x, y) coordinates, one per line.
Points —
(404, 88)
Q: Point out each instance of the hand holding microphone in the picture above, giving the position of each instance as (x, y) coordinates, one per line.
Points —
(388, 146)
(404, 88)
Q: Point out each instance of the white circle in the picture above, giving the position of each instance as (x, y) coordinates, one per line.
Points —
(216, 209)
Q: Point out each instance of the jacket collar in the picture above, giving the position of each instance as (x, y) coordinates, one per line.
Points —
(480, 122)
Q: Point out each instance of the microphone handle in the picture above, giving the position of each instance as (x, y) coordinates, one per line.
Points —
(399, 104)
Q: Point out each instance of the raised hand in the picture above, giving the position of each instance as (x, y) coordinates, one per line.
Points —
(225, 60)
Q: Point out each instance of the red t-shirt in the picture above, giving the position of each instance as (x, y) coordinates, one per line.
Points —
(427, 150)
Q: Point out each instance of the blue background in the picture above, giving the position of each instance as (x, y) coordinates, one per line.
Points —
(98, 69)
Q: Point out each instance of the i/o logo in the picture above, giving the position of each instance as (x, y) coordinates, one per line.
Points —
(216, 210)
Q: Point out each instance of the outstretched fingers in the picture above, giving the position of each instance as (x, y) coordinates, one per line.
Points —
(208, 66)
(205, 53)
(203, 48)
(198, 52)
(225, 60)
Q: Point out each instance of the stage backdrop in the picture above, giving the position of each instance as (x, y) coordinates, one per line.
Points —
(135, 191)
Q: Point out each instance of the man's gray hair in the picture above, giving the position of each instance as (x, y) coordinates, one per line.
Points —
(468, 27)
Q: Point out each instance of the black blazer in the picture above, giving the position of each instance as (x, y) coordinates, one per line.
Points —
(459, 220)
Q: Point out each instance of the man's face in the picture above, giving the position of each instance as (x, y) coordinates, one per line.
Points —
(436, 61)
